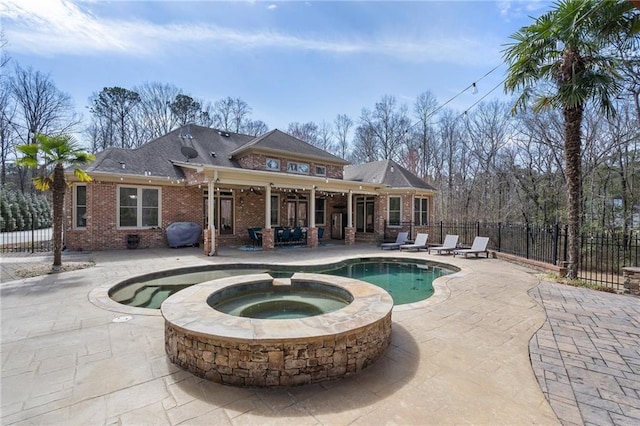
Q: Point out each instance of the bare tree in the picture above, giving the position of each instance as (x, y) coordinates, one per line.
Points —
(325, 137)
(4, 57)
(452, 167)
(388, 122)
(40, 108)
(422, 134)
(8, 137)
(155, 108)
(342, 125)
(241, 111)
(231, 114)
(365, 145)
(307, 132)
(255, 128)
(487, 128)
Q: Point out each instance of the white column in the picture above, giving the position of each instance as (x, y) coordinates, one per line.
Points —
(211, 215)
(349, 210)
(267, 206)
(312, 208)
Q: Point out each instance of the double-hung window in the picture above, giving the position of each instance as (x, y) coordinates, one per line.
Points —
(80, 206)
(138, 207)
(320, 211)
(395, 211)
(421, 211)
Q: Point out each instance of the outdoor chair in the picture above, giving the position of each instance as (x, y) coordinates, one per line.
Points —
(450, 243)
(419, 243)
(296, 235)
(285, 237)
(479, 246)
(320, 233)
(400, 240)
(255, 238)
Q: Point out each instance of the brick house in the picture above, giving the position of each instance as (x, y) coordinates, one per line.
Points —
(228, 182)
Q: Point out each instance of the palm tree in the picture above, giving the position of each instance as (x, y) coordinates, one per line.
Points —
(564, 60)
(57, 152)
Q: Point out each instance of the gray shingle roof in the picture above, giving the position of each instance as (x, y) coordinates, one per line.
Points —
(156, 157)
(385, 172)
(277, 140)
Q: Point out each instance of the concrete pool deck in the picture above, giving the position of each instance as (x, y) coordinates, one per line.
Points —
(462, 357)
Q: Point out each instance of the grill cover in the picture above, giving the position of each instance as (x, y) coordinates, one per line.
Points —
(183, 234)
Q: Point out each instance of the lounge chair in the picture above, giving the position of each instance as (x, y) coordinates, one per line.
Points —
(419, 243)
(400, 240)
(479, 246)
(450, 244)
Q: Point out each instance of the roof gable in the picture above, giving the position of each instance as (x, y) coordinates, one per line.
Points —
(279, 142)
(385, 172)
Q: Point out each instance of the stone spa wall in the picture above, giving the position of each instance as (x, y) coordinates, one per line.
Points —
(271, 353)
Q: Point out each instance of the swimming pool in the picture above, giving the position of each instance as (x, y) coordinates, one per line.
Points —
(407, 281)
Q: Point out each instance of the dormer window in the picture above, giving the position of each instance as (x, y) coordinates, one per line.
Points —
(273, 164)
(301, 168)
(321, 171)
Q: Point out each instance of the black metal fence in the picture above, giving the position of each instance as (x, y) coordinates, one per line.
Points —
(31, 241)
(603, 254)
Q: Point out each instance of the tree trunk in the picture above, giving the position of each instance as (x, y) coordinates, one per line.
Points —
(58, 189)
(573, 173)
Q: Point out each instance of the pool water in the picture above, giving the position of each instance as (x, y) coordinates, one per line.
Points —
(279, 302)
(406, 281)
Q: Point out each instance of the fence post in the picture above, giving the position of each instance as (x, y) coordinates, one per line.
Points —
(566, 234)
(499, 236)
(556, 230)
(526, 236)
(441, 232)
(478, 229)
(33, 232)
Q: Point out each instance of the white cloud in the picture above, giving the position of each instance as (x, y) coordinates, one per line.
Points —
(52, 27)
(511, 9)
(272, 7)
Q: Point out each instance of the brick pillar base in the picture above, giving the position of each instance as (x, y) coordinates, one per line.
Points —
(349, 236)
(631, 279)
(312, 237)
(268, 241)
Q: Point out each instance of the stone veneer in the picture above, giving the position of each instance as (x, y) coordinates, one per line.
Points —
(631, 279)
(279, 352)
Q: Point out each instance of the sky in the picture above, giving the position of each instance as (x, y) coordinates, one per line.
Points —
(292, 61)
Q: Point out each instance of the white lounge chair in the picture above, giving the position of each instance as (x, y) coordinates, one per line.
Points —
(419, 243)
(479, 246)
(450, 244)
(400, 240)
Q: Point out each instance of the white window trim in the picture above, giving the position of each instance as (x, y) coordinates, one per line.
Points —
(297, 167)
(266, 163)
(389, 211)
(139, 188)
(75, 206)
